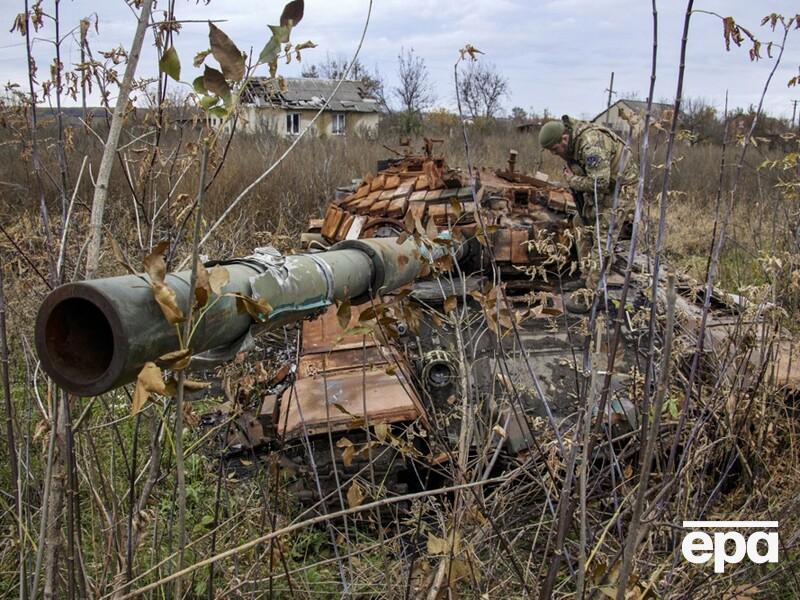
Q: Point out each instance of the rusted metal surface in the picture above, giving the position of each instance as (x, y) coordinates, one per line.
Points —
(337, 401)
(323, 334)
(419, 190)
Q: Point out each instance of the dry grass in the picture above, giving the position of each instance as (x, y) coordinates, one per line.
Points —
(751, 431)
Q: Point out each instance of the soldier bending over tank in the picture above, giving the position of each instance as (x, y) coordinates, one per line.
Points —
(593, 154)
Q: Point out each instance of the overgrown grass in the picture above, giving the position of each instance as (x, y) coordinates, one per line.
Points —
(276, 211)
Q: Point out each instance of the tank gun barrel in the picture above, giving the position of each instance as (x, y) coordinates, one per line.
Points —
(93, 336)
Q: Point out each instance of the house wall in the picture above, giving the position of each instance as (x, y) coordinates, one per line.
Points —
(612, 119)
(260, 119)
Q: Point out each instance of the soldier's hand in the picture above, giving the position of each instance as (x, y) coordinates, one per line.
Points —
(568, 172)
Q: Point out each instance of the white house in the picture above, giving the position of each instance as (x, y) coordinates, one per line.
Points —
(288, 111)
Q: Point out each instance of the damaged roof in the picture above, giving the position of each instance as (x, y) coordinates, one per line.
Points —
(311, 94)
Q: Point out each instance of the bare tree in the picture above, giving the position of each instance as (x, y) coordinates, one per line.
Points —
(415, 91)
(482, 89)
(110, 150)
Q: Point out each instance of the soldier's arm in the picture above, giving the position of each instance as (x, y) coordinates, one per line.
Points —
(595, 155)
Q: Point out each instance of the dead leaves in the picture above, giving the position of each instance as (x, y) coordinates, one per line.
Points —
(733, 32)
(168, 301)
(176, 361)
(382, 431)
(469, 50)
(344, 313)
(155, 266)
(450, 304)
(218, 278)
(208, 283)
(258, 310)
(348, 451)
(292, 13)
(149, 381)
(229, 57)
(355, 495)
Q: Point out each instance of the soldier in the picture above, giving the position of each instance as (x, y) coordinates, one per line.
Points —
(593, 155)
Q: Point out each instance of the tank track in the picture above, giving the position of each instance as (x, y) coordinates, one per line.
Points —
(323, 480)
(319, 479)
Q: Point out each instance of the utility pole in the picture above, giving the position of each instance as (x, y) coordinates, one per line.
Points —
(794, 112)
(611, 92)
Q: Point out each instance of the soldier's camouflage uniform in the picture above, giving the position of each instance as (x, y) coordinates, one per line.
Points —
(594, 155)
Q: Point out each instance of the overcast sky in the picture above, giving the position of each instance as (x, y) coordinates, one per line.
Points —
(556, 54)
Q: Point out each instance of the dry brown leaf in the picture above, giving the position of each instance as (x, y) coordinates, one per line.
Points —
(229, 57)
(168, 302)
(189, 385)
(218, 278)
(436, 545)
(355, 495)
(215, 82)
(382, 431)
(344, 313)
(450, 304)
(195, 386)
(258, 309)
(177, 361)
(148, 381)
(347, 455)
(154, 264)
(190, 418)
(202, 290)
(292, 13)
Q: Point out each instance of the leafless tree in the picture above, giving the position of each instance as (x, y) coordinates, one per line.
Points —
(415, 91)
(482, 89)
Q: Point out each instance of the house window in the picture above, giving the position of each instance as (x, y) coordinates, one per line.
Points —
(293, 123)
(338, 126)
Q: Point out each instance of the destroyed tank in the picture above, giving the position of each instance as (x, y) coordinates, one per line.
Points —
(416, 291)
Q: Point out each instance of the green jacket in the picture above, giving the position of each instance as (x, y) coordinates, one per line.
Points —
(595, 154)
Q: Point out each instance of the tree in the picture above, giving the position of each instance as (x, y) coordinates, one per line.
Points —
(335, 67)
(415, 92)
(518, 114)
(700, 119)
(482, 88)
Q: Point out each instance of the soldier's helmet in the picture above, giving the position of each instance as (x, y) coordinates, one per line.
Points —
(550, 134)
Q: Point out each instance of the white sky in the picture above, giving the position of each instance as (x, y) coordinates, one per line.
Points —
(557, 54)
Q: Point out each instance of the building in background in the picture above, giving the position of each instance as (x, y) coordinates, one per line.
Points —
(613, 116)
(288, 109)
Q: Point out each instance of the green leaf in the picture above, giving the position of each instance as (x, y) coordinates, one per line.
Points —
(199, 86)
(271, 51)
(206, 102)
(220, 112)
(281, 32)
(170, 64)
(215, 82)
(207, 520)
(229, 57)
(292, 13)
